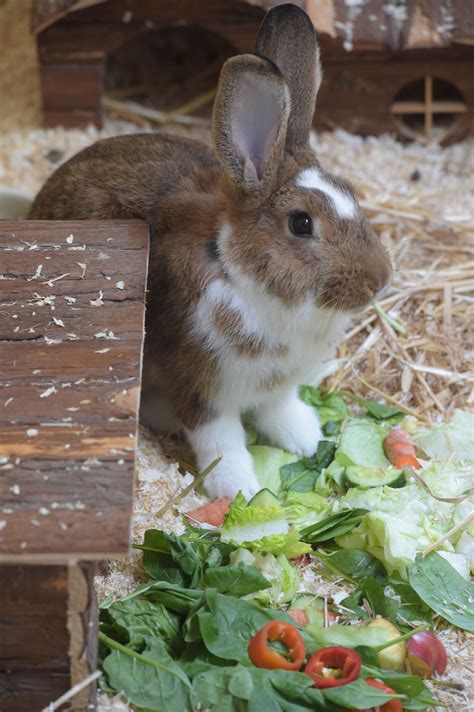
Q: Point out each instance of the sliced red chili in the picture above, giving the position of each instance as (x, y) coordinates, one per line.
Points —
(334, 666)
(391, 705)
(263, 656)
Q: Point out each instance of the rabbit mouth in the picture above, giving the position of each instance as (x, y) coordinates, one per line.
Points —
(351, 303)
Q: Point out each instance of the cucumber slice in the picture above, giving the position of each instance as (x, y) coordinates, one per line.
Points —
(264, 498)
(374, 477)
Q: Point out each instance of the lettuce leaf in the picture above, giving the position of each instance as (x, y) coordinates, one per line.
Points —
(452, 441)
(361, 443)
(305, 508)
(267, 462)
(261, 529)
(284, 577)
(401, 523)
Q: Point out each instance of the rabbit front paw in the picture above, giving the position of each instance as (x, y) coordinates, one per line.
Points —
(233, 473)
(290, 424)
(224, 437)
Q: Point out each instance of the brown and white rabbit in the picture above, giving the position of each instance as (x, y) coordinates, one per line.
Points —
(258, 255)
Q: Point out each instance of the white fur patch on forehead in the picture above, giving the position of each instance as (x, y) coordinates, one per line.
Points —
(343, 203)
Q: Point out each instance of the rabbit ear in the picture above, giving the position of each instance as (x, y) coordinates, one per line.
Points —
(249, 123)
(287, 37)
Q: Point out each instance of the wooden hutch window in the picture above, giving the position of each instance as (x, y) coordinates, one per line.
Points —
(426, 104)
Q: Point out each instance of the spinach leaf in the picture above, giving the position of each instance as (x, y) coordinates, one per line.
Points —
(331, 428)
(381, 604)
(301, 476)
(355, 563)
(167, 557)
(330, 406)
(227, 624)
(250, 689)
(410, 685)
(357, 695)
(349, 636)
(238, 580)
(413, 686)
(151, 679)
(144, 622)
(176, 598)
(379, 411)
(411, 609)
(444, 590)
(332, 526)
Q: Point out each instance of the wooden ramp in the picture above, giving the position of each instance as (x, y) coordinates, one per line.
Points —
(71, 336)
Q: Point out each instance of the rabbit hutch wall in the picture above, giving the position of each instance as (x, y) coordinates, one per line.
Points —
(71, 335)
(401, 65)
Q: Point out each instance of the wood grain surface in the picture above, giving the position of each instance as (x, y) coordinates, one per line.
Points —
(48, 635)
(71, 336)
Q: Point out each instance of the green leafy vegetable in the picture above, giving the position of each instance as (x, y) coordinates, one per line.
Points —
(330, 406)
(236, 580)
(445, 591)
(452, 441)
(349, 636)
(176, 598)
(267, 462)
(358, 695)
(361, 443)
(143, 621)
(261, 529)
(227, 624)
(151, 679)
(283, 578)
(379, 411)
(301, 476)
(356, 563)
(333, 526)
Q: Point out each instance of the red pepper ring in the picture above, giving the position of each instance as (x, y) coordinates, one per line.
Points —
(338, 659)
(262, 656)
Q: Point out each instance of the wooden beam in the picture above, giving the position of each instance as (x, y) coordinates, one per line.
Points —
(48, 633)
(418, 107)
(71, 337)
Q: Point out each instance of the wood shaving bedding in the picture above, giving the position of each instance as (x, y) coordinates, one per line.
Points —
(420, 202)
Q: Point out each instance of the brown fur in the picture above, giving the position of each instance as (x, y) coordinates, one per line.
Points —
(229, 324)
(183, 190)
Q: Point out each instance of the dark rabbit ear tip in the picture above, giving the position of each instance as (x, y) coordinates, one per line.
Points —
(252, 61)
(287, 12)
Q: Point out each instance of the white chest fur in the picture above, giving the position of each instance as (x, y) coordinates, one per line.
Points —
(296, 340)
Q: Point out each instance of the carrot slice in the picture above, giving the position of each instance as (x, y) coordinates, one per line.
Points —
(400, 450)
(212, 513)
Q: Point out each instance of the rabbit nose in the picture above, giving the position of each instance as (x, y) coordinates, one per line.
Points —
(377, 282)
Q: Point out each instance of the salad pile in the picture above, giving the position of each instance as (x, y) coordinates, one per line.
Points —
(224, 621)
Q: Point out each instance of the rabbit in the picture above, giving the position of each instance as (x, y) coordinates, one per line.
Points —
(258, 258)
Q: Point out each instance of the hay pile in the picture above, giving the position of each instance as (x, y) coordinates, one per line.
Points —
(413, 351)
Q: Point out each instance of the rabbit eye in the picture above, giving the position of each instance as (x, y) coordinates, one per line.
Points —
(300, 224)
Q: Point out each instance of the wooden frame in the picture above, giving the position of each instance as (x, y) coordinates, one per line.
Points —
(71, 338)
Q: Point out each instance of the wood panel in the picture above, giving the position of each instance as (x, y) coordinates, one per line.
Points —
(71, 337)
(48, 634)
(357, 96)
(71, 86)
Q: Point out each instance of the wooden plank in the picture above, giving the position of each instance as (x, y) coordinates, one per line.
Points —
(71, 86)
(48, 634)
(69, 383)
(31, 690)
(417, 107)
(72, 118)
(33, 618)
